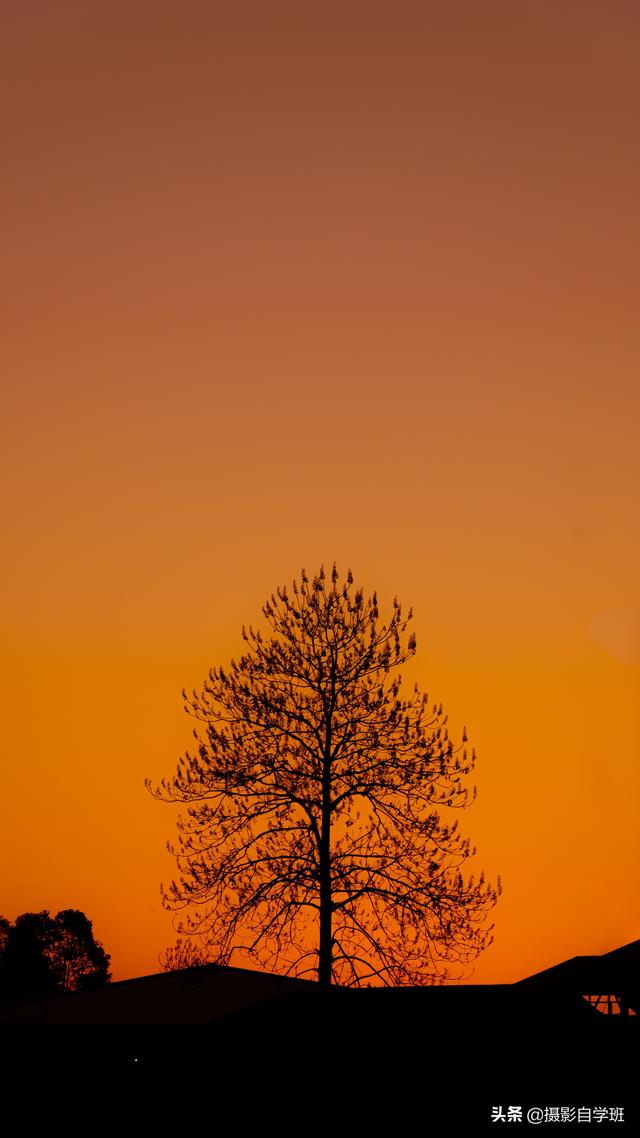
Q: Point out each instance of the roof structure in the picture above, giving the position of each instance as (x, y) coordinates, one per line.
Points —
(188, 996)
(209, 992)
(610, 982)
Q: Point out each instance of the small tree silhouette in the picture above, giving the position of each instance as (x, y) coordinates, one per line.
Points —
(313, 838)
(41, 954)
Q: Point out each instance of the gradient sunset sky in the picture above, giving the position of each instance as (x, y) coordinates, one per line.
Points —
(285, 283)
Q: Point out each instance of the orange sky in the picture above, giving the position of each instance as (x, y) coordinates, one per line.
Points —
(286, 283)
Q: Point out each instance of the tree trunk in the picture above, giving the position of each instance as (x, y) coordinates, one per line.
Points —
(326, 943)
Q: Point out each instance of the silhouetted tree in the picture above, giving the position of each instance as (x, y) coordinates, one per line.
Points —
(25, 967)
(5, 927)
(79, 960)
(313, 838)
(40, 954)
(183, 954)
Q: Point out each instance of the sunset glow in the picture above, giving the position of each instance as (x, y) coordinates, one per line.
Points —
(286, 284)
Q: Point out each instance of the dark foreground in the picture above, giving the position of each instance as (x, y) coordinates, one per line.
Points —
(424, 1061)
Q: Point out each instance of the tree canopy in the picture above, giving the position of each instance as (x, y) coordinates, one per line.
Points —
(319, 834)
(41, 954)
